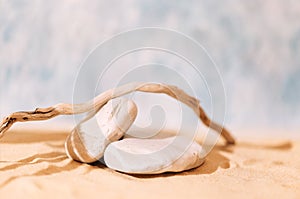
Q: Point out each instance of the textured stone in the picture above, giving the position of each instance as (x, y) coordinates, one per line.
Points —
(151, 156)
(88, 140)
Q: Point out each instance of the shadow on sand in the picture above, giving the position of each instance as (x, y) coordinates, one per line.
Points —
(55, 140)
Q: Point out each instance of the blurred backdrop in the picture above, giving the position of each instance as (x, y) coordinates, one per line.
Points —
(255, 44)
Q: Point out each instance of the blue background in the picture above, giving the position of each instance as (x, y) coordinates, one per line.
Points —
(256, 45)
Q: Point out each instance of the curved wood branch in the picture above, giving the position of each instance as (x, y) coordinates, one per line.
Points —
(92, 106)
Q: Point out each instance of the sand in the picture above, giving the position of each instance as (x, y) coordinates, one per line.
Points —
(33, 164)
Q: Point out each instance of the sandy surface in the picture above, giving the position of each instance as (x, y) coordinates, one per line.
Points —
(33, 164)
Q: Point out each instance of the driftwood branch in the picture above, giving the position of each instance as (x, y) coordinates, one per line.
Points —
(91, 107)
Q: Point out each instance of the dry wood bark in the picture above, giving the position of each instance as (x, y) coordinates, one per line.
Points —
(92, 106)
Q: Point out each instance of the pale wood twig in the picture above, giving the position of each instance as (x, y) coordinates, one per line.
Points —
(92, 106)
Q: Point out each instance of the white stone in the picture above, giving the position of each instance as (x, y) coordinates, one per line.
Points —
(152, 156)
(88, 140)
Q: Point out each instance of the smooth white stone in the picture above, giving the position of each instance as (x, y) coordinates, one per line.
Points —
(152, 156)
(88, 140)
